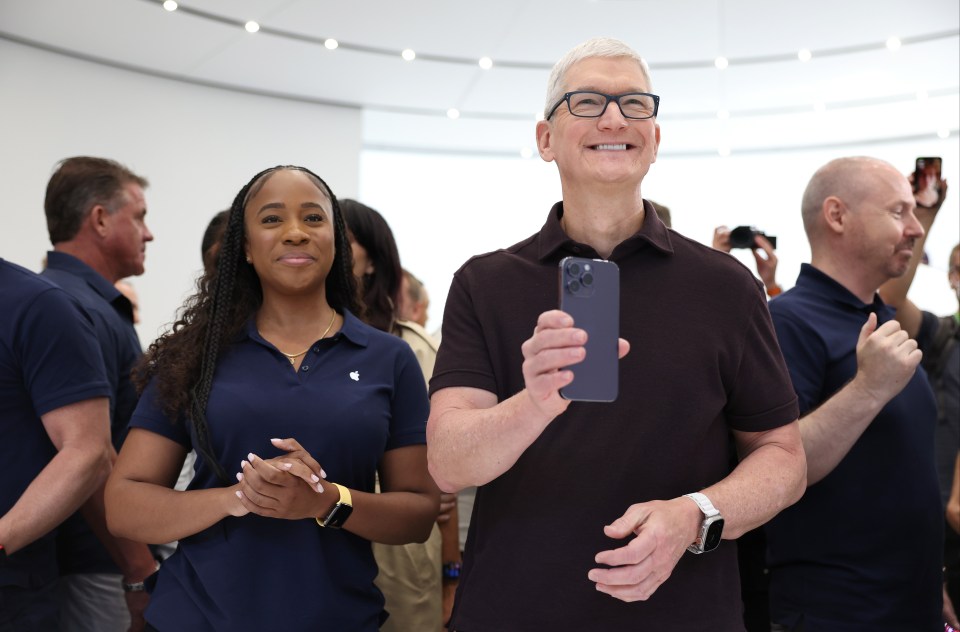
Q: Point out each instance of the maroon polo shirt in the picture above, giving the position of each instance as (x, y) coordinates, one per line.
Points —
(704, 359)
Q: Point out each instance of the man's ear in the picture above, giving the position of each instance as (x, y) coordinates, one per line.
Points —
(657, 146)
(544, 141)
(99, 220)
(835, 214)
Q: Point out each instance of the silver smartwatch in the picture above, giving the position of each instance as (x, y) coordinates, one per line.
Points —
(711, 529)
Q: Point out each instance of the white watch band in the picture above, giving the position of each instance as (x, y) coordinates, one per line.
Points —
(704, 504)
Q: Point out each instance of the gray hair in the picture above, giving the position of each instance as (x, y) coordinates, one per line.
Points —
(597, 47)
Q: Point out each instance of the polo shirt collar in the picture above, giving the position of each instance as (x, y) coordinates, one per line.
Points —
(823, 284)
(353, 330)
(552, 239)
(72, 265)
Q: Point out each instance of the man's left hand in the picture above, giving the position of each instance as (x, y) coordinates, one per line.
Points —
(664, 530)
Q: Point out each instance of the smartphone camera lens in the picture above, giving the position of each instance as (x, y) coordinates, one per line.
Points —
(573, 269)
(586, 279)
(573, 286)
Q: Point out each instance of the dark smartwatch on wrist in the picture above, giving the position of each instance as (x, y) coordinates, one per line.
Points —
(340, 512)
(711, 529)
(451, 571)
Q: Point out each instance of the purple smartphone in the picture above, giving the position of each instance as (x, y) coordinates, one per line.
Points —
(590, 292)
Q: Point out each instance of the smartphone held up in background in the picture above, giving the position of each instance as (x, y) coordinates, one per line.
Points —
(926, 180)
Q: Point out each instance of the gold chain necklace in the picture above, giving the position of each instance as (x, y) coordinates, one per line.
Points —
(293, 357)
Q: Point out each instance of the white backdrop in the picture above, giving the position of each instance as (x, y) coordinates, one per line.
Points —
(445, 208)
(198, 146)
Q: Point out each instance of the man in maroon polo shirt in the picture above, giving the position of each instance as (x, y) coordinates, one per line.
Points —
(582, 512)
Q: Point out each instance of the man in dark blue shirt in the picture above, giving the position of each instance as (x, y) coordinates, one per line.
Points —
(862, 548)
(95, 213)
(54, 437)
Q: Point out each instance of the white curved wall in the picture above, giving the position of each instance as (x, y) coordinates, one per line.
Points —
(197, 145)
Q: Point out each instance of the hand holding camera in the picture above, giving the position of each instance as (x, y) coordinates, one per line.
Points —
(760, 244)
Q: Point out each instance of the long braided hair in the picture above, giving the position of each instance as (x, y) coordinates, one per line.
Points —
(182, 362)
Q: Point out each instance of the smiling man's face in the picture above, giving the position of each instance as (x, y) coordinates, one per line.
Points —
(608, 149)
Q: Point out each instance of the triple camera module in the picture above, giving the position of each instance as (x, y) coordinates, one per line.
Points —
(578, 278)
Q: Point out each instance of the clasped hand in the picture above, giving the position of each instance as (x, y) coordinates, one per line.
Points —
(290, 486)
(663, 533)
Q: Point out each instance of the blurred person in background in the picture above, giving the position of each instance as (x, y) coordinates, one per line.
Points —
(96, 218)
(418, 580)
(54, 438)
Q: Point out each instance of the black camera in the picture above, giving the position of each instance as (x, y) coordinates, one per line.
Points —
(746, 237)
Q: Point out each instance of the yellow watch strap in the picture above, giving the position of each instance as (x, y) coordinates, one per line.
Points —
(345, 499)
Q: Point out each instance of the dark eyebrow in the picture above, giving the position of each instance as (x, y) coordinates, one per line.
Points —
(271, 205)
(281, 205)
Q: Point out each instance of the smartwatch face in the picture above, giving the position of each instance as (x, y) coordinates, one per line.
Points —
(338, 516)
(714, 533)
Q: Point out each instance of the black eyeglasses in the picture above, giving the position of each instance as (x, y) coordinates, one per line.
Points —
(587, 104)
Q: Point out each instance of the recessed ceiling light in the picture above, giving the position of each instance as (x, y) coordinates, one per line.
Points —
(486, 63)
(943, 133)
(893, 43)
(408, 54)
(721, 62)
(331, 43)
(723, 115)
(170, 5)
(526, 152)
(804, 55)
(453, 113)
(251, 26)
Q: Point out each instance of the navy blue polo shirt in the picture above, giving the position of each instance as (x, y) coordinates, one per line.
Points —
(112, 315)
(356, 395)
(864, 545)
(48, 359)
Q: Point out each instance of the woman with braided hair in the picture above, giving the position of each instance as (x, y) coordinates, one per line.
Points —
(293, 405)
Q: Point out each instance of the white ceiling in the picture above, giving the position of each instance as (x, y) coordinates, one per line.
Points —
(771, 103)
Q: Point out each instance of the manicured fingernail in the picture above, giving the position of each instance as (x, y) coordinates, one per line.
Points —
(314, 478)
(320, 488)
(251, 457)
(275, 440)
(287, 466)
(239, 476)
(244, 464)
(239, 494)
(322, 473)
